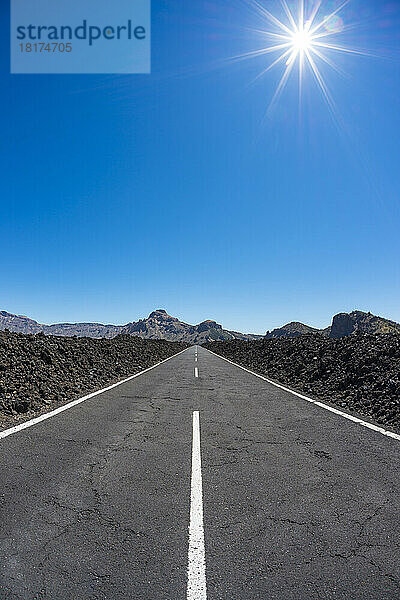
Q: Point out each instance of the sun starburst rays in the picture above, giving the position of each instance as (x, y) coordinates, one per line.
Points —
(305, 37)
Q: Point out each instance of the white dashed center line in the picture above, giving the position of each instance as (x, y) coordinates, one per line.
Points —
(196, 584)
(196, 372)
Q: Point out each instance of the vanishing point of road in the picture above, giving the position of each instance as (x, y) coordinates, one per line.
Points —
(198, 480)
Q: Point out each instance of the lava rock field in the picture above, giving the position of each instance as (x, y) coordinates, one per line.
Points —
(38, 370)
(359, 373)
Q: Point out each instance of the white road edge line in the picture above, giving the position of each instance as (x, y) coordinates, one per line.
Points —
(196, 372)
(26, 424)
(381, 430)
(196, 582)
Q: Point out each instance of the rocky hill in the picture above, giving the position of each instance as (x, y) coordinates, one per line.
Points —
(18, 323)
(357, 321)
(292, 329)
(159, 325)
(343, 324)
(21, 324)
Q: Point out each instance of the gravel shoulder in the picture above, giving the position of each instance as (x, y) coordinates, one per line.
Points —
(358, 373)
(39, 373)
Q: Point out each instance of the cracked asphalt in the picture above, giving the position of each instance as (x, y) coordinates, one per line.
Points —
(299, 503)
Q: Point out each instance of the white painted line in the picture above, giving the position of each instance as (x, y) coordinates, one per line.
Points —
(26, 424)
(195, 358)
(196, 372)
(381, 430)
(196, 583)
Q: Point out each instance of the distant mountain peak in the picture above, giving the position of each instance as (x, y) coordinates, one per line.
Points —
(158, 325)
(292, 329)
(364, 322)
(161, 315)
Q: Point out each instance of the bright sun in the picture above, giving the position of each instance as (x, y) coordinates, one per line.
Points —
(306, 37)
(302, 40)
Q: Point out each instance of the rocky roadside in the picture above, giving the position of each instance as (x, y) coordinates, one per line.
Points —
(359, 373)
(39, 372)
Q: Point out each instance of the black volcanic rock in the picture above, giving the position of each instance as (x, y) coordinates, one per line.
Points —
(39, 370)
(342, 325)
(358, 372)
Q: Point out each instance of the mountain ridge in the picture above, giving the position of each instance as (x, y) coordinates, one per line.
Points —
(160, 325)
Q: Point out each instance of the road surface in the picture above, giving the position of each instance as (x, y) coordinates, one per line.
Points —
(198, 480)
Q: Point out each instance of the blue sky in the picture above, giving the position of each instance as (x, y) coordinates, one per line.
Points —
(173, 190)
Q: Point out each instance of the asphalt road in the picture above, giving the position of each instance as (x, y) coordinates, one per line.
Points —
(298, 503)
